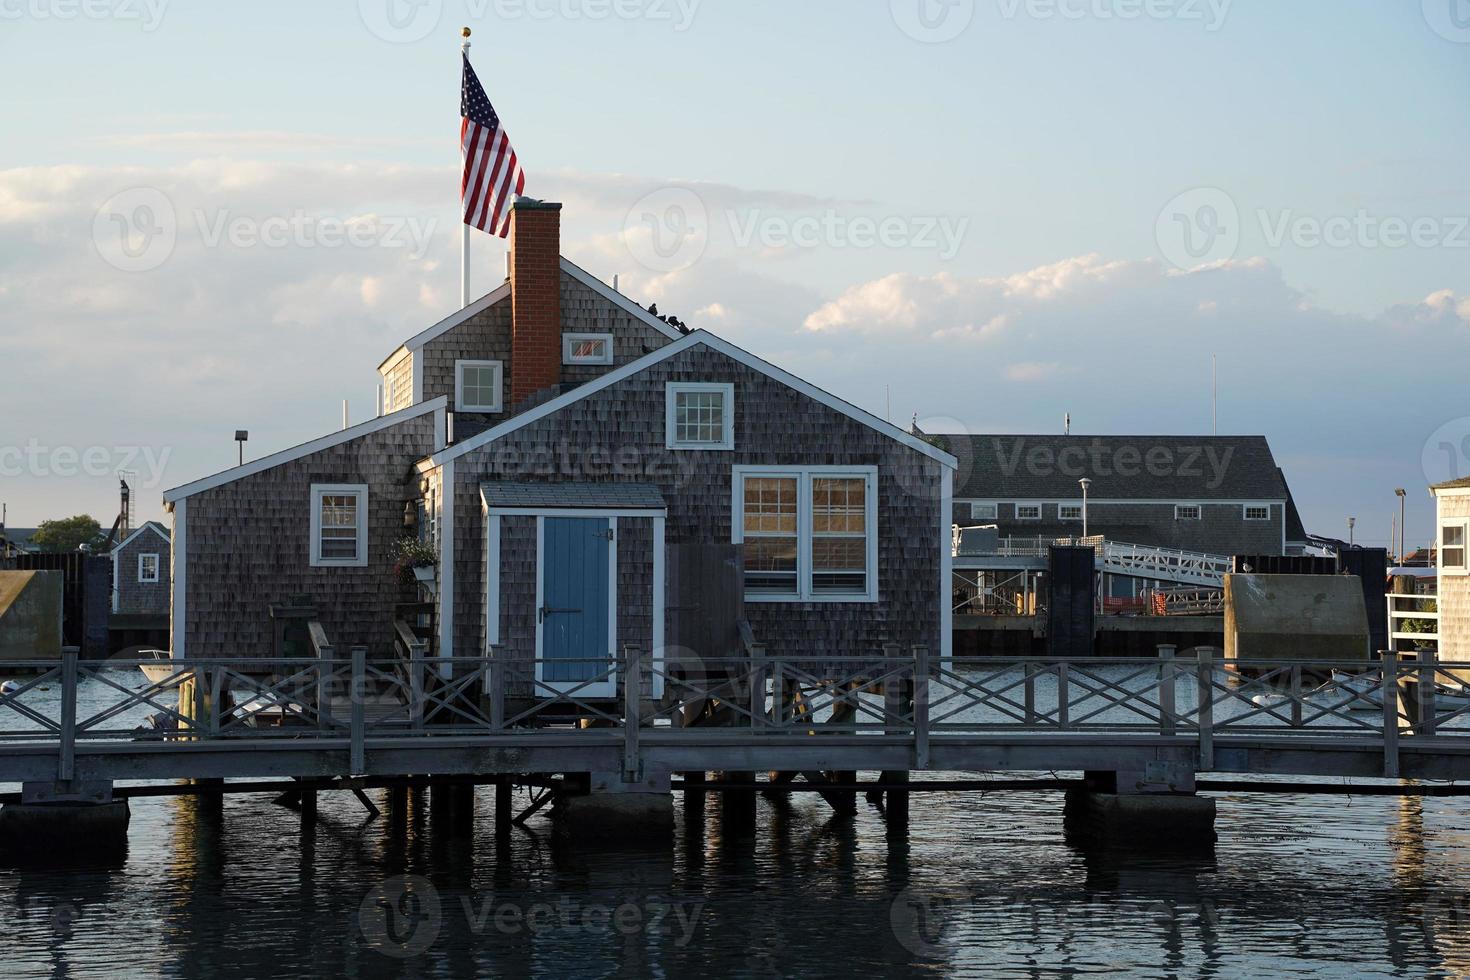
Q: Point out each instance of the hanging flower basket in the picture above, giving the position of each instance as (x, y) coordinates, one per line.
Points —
(416, 561)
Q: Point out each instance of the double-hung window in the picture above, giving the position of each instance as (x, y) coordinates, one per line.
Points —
(1188, 512)
(339, 524)
(1028, 512)
(810, 533)
(1253, 512)
(699, 416)
(1452, 543)
(148, 567)
(1069, 512)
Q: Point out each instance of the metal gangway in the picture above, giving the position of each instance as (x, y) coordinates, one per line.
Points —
(1160, 564)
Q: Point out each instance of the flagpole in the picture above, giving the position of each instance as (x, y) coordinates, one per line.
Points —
(464, 228)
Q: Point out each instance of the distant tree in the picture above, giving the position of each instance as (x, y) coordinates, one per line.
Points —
(67, 534)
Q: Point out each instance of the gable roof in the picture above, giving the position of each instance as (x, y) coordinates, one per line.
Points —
(153, 526)
(1048, 467)
(1463, 483)
(170, 497)
(694, 339)
(502, 292)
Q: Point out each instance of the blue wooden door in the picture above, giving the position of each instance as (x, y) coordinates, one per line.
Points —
(575, 598)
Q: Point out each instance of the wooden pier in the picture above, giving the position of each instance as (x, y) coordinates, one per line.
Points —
(1146, 726)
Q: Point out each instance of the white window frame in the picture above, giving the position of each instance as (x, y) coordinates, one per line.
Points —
(459, 402)
(984, 510)
(1463, 568)
(1245, 512)
(143, 577)
(804, 476)
(1064, 518)
(1199, 512)
(569, 341)
(1028, 503)
(674, 389)
(320, 490)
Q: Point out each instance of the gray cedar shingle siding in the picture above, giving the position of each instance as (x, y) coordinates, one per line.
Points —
(249, 546)
(398, 382)
(143, 598)
(618, 435)
(1454, 590)
(486, 337)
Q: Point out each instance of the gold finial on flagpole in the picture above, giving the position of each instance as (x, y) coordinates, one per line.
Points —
(464, 32)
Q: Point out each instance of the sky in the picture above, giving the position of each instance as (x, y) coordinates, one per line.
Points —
(985, 214)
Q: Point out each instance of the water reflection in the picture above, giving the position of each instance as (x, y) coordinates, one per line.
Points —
(977, 886)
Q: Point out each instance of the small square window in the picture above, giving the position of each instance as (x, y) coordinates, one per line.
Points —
(586, 348)
(1188, 512)
(700, 416)
(1028, 512)
(1258, 513)
(477, 386)
(148, 567)
(984, 512)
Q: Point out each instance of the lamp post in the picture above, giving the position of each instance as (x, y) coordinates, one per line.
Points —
(1403, 496)
(240, 437)
(1352, 523)
(1086, 485)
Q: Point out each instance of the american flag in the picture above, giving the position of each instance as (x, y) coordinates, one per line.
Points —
(492, 175)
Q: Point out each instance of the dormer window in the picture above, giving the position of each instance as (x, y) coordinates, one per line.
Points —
(586, 348)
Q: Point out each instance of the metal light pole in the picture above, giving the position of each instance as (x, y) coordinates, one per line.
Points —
(1086, 485)
(241, 436)
(1403, 496)
(1352, 523)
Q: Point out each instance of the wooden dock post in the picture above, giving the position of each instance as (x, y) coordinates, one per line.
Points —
(898, 719)
(1167, 708)
(921, 708)
(1390, 691)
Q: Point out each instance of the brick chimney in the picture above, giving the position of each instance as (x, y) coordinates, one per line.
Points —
(535, 298)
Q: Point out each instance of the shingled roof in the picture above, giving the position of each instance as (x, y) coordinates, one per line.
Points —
(1047, 467)
(1461, 484)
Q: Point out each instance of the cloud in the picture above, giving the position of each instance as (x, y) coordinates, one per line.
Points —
(1033, 370)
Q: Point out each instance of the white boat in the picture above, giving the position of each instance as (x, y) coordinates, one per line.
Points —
(1369, 688)
(162, 667)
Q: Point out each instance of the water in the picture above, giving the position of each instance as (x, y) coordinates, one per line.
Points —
(982, 886)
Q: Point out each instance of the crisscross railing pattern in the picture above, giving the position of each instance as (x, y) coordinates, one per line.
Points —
(355, 703)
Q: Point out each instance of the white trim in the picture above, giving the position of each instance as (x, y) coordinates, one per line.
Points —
(946, 568)
(804, 531)
(1040, 511)
(580, 511)
(1198, 508)
(1245, 513)
(608, 293)
(492, 577)
(720, 346)
(460, 405)
(672, 391)
(657, 640)
(609, 687)
(994, 506)
(570, 340)
(320, 490)
(448, 493)
(147, 526)
(116, 580)
(1449, 491)
(1137, 501)
(179, 581)
(305, 449)
(418, 379)
(157, 568)
(1070, 503)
